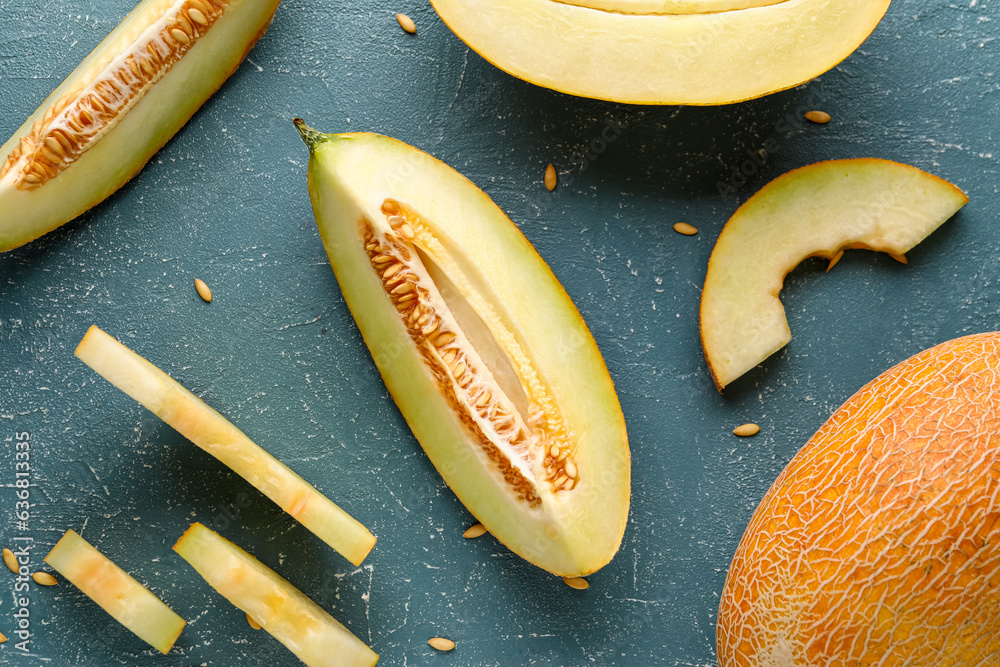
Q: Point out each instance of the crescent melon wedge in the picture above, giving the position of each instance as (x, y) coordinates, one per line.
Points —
(485, 354)
(815, 211)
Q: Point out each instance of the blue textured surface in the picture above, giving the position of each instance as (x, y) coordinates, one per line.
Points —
(278, 353)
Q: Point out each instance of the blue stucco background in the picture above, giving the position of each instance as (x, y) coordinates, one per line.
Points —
(278, 352)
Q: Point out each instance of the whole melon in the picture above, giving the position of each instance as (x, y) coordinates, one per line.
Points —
(879, 544)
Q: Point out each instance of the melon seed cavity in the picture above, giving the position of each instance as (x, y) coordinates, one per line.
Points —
(514, 421)
(406, 23)
(78, 119)
(441, 643)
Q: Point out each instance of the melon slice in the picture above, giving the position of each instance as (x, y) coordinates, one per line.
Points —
(486, 356)
(115, 591)
(278, 607)
(205, 427)
(125, 100)
(879, 544)
(816, 211)
(664, 51)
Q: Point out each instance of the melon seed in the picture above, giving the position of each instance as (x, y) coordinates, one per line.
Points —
(3, 638)
(44, 578)
(406, 23)
(10, 560)
(441, 644)
(197, 16)
(746, 430)
(253, 624)
(834, 260)
(579, 583)
(180, 35)
(818, 117)
(899, 258)
(474, 531)
(203, 290)
(685, 229)
(550, 178)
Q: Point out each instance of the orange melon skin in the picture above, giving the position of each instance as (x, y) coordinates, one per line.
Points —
(879, 544)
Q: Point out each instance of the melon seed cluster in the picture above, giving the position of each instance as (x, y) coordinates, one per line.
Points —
(520, 445)
(80, 117)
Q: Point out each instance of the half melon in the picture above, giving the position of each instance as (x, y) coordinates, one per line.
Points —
(124, 101)
(879, 543)
(486, 356)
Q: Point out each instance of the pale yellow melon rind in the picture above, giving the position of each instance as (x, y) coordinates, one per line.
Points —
(205, 427)
(696, 59)
(817, 210)
(879, 543)
(116, 592)
(122, 152)
(282, 610)
(349, 178)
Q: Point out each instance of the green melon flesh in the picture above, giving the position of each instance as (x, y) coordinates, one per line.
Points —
(205, 427)
(521, 334)
(141, 117)
(115, 591)
(308, 631)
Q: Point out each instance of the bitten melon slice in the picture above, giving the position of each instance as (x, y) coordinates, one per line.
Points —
(879, 543)
(115, 591)
(664, 51)
(816, 211)
(317, 638)
(205, 427)
(125, 100)
(484, 353)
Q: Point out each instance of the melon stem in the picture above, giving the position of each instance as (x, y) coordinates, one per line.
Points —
(311, 137)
